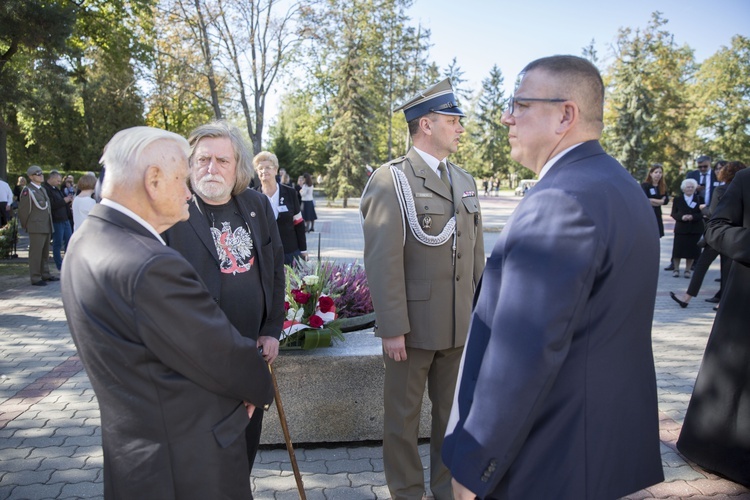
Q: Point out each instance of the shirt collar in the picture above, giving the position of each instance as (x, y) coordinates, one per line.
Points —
(126, 211)
(430, 160)
(554, 159)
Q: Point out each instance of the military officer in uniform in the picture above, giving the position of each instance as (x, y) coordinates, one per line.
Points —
(423, 255)
(36, 218)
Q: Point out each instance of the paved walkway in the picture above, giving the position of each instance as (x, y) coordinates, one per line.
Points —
(50, 437)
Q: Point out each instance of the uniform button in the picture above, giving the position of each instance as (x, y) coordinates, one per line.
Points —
(216, 300)
(456, 211)
(458, 255)
(458, 233)
(458, 278)
(426, 207)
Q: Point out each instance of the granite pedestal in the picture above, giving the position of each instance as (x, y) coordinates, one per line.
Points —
(333, 394)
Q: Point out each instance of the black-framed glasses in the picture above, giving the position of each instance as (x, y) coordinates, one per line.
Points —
(510, 105)
(38, 173)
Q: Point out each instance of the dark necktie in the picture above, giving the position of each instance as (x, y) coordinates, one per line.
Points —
(444, 176)
(703, 180)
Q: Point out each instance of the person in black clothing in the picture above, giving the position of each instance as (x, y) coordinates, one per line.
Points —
(688, 227)
(60, 219)
(285, 205)
(656, 191)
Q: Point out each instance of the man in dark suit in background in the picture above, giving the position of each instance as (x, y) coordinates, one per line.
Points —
(705, 176)
(175, 381)
(231, 239)
(557, 393)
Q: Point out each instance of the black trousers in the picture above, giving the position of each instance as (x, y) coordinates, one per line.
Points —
(252, 435)
(708, 255)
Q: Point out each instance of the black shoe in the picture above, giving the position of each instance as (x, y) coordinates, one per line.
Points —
(716, 308)
(52, 278)
(713, 300)
(39, 283)
(674, 297)
(670, 267)
(718, 280)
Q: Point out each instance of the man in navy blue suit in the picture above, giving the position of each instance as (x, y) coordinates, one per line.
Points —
(705, 176)
(557, 391)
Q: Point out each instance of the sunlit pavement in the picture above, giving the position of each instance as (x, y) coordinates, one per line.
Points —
(50, 439)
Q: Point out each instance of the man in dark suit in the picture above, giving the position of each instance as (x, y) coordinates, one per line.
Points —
(175, 381)
(232, 241)
(423, 254)
(557, 393)
(705, 176)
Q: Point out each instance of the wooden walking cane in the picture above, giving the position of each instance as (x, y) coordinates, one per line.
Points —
(287, 438)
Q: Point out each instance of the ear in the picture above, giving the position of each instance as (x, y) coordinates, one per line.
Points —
(153, 180)
(425, 124)
(569, 118)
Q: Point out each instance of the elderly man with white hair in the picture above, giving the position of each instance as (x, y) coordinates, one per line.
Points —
(175, 381)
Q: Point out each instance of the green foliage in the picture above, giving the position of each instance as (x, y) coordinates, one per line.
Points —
(491, 135)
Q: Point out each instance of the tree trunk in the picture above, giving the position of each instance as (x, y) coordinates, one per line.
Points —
(208, 60)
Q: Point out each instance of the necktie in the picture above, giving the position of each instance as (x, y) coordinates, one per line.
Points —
(444, 176)
(703, 180)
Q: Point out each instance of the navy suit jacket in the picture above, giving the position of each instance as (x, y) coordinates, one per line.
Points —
(710, 181)
(557, 392)
(168, 369)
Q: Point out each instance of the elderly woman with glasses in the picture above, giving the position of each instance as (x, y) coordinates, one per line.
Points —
(688, 227)
(285, 206)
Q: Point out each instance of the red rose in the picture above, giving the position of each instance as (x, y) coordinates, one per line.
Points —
(325, 304)
(286, 306)
(300, 297)
(316, 321)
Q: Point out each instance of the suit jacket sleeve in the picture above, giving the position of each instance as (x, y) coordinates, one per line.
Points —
(273, 325)
(382, 225)
(179, 322)
(729, 228)
(547, 271)
(299, 223)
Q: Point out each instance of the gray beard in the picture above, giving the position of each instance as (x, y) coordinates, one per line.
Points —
(212, 191)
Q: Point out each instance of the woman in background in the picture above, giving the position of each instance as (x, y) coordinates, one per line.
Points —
(656, 192)
(285, 207)
(308, 203)
(84, 202)
(688, 227)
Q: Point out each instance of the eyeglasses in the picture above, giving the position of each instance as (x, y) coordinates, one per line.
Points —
(37, 173)
(261, 168)
(511, 104)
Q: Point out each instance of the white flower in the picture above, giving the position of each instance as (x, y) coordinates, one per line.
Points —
(311, 280)
(295, 314)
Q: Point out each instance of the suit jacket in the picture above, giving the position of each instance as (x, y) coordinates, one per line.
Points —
(711, 183)
(291, 227)
(415, 288)
(557, 392)
(192, 238)
(32, 218)
(717, 423)
(680, 208)
(168, 369)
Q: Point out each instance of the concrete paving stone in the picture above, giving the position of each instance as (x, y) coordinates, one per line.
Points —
(83, 441)
(270, 456)
(349, 466)
(677, 488)
(88, 451)
(26, 477)
(54, 451)
(61, 463)
(377, 464)
(365, 452)
(88, 414)
(361, 493)
(43, 442)
(326, 454)
(74, 476)
(94, 462)
(9, 443)
(35, 492)
(20, 464)
(684, 473)
(316, 494)
(672, 459)
(381, 492)
(269, 470)
(275, 483)
(76, 430)
(367, 478)
(82, 490)
(639, 495)
(717, 486)
(326, 481)
(311, 467)
(13, 453)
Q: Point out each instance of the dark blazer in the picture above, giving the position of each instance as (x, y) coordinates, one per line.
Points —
(711, 181)
(290, 223)
(557, 395)
(680, 208)
(717, 423)
(168, 369)
(192, 238)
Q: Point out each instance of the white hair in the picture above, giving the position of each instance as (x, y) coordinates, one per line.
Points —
(688, 182)
(122, 154)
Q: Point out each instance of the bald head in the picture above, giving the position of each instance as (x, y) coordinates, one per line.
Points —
(578, 80)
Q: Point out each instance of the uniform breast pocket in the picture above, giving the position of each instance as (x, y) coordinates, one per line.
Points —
(471, 204)
(431, 216)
